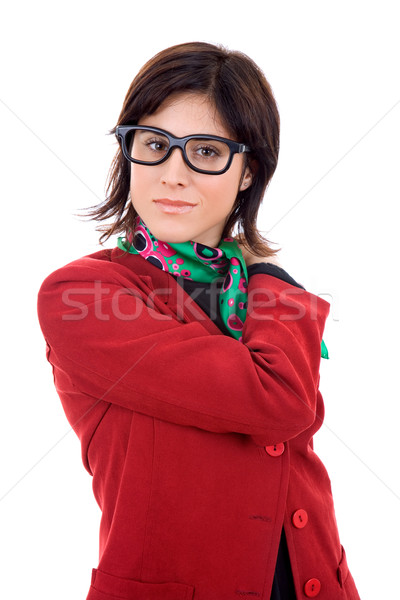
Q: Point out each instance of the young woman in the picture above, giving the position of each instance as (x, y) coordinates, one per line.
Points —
(187, 360)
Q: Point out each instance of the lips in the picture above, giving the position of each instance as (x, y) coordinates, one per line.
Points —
(167, 205)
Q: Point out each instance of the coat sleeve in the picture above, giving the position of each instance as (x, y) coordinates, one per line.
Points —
(111, 344)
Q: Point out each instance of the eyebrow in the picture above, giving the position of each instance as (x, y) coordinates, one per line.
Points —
(163, 131)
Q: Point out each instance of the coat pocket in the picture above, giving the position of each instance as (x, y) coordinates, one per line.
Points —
(109, 587)
(343, 569)
(346, 580)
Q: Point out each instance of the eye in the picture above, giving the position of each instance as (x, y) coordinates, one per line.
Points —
(206, 151)
(157, 145)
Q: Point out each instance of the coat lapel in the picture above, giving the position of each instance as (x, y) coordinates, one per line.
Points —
(164, 290)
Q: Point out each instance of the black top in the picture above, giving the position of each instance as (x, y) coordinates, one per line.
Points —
(206, 296)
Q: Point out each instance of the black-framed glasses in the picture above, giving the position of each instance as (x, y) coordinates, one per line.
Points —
(208, 154)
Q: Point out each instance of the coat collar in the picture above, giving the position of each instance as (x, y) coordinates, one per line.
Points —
(166, 291)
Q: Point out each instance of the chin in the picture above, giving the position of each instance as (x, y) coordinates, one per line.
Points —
(173, 239)
(171, 233)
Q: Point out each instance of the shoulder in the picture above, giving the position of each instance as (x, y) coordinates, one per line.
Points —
(274, 292)
(84, 276)
(107, 265)
(98, 262)
(273, 270)
(96, 278)
(90, 283)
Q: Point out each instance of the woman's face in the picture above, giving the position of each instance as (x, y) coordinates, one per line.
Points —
(176, 203)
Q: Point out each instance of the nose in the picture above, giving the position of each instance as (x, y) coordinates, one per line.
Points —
(174, 170)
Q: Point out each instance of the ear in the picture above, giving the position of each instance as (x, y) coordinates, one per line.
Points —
(247, 179)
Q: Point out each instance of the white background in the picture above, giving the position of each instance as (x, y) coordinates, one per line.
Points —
(332, 207)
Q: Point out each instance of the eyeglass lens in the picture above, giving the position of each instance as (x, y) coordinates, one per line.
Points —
(150, 147)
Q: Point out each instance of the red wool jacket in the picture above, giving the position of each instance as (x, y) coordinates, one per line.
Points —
(200, 446)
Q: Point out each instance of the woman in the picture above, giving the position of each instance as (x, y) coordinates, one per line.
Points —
(187, 360)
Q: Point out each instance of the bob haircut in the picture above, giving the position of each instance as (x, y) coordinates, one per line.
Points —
(246, 105)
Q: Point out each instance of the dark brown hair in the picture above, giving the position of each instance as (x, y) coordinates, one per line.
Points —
(245, 103)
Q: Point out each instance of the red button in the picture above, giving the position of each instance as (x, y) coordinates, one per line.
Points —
(275, 450)
(312, 588)
(300, 518)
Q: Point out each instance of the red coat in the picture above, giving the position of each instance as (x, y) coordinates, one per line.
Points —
(200, 446)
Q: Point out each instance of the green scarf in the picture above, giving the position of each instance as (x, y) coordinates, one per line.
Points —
(198, 262)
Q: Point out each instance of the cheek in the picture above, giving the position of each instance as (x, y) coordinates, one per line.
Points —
(225, 187)
(142, 174)
(136, 178)
(230, 181)
(226, 192)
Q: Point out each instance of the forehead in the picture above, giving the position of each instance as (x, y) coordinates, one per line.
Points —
(186, 114)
